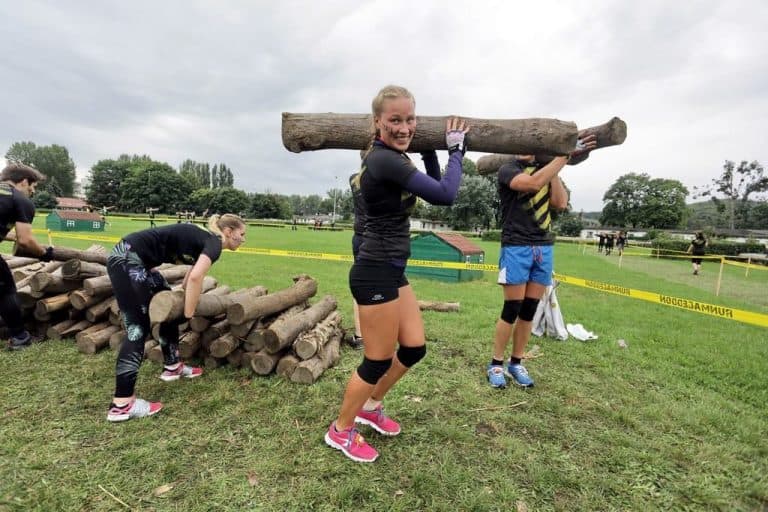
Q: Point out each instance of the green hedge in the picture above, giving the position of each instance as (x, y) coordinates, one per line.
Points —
(719, 247)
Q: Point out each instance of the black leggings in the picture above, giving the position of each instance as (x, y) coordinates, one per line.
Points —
(134, 287)
(10, 309)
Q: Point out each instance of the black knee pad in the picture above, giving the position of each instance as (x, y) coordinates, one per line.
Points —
(528, 309)
(409, 356)
(510, 310)
(371, 371)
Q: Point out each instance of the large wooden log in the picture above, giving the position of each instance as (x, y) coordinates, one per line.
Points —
(19, 261)
(309, 132)
(27, 271)
(612, 133)
(216, 330)
(116, 340)
(97, 285)
(308, 343)
(200, 323)
(54, 331)
(92, 329)
(95, 341)
(263, 362)
(442, 307)
(251, 308)
(235, 358)
(283, 333)
(99, 310)
(51, 266)
(67, 253)
(169, 305)
(75, 328)
(81, 299)
(287, 365)
(256, 339)
(51, 304)
(189, 344)
(223, 346)
(78, 269)
(307, 372)
(52, 282)
(242, 330)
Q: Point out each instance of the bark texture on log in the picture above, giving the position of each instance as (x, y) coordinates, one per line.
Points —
(92, 329)
(223, 346)
(117, 339)
(287, 365)
(251, 308)
(308, 343)
(189, 344)
(96, 285)
(52, 282)
(54, 331)
(80, 299)
(67, 253)
(442, 307)
(216, 330)
(96, 341)
(612, 133)
(307, 372)
(169, 305)
(79, 269)
(263, 362)
(256, 339)
(309, 132)
(99, 310)
(75, 328)
(51, 304)
(51, 266)
(283, 333)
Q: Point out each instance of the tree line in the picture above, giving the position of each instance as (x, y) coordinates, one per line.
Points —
(134, 183)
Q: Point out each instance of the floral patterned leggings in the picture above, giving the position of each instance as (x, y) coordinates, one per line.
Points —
(134, 287)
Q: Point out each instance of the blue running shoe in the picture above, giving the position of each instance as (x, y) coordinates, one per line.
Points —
(496, 376)
(520, 375)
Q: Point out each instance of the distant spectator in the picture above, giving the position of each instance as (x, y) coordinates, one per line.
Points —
(600, 241)
(697, 249)
(610, 238)
(621, 241)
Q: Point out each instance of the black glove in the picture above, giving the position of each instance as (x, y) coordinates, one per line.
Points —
(48, 254)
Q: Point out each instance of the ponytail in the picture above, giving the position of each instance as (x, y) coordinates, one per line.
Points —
(216, 222)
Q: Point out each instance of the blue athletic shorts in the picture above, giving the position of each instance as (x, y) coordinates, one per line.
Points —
(519, 264)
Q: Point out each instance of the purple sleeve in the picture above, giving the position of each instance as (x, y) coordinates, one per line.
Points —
(438, 192)
(431, 164)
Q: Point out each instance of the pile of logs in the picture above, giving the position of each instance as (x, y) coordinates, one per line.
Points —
(278, 332)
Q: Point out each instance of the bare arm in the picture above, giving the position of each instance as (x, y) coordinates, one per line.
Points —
(558, 195)
(193, 284)
(26, 239)
(533, 183)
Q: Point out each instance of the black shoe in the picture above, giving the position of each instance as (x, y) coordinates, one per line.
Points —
(356, 342)
(22, 341)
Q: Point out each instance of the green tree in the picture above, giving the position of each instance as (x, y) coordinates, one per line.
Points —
(270, 206)
(664, 204)
(44, 199)
(220, 200)
(473, 205)
(468, 167)
(53, 161)
(737, 185)
(157, 185)
(568, 224)
(107, 176)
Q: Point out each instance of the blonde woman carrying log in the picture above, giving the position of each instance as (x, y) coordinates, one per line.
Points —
(389, 313)
(130, 268)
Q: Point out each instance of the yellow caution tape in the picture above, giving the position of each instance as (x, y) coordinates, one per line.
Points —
(725, 312)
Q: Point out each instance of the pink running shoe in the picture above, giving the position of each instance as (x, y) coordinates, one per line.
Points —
(190, 372)
(351, 444)
(138, 408)
(380, 422)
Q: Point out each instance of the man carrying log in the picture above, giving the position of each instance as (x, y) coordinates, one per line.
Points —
(528, 191)
(130, 268)
(17, 185)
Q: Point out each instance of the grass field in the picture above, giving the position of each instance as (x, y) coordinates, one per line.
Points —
(676, 421)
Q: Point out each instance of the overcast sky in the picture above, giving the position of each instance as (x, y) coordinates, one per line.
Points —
(209, 80)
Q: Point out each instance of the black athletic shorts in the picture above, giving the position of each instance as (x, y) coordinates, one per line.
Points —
(375, 282)
(697, 261)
